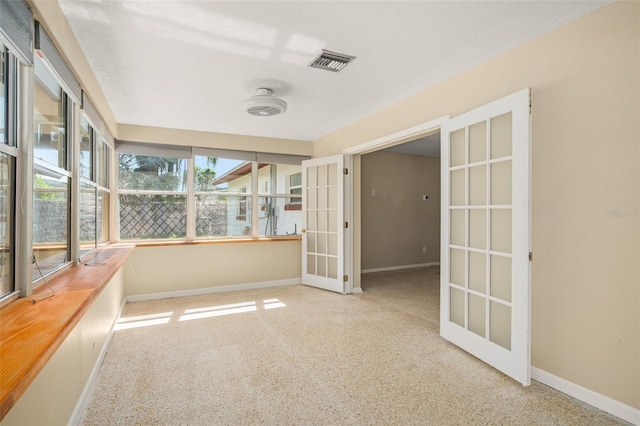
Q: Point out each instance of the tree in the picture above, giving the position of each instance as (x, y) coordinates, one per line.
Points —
(206, 176)
(150, 173)
(145, 172)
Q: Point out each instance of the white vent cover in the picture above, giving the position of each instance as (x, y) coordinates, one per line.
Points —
(264, 104)
(331, 61)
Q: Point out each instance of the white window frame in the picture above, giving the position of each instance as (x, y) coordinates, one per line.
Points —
(251, 198)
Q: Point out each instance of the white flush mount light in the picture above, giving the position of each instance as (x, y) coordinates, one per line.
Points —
(264, 104)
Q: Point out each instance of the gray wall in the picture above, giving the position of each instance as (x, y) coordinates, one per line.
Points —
(397, 223)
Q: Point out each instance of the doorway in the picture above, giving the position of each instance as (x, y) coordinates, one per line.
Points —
(400, 206)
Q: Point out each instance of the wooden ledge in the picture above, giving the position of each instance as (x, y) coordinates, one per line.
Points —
(236, 240)
(30, 333)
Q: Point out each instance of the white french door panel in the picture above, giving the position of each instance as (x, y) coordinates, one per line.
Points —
(485, 242)
(323, 223)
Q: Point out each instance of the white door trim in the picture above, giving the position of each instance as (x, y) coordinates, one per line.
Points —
(396, 138)
(352, 265)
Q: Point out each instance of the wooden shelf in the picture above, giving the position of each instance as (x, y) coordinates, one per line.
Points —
(30, 333)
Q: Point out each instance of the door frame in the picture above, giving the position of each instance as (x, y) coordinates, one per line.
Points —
(352, 238)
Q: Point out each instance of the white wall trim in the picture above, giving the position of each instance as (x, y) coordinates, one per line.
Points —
(217, 289)
(401, 267)
(604, 403)
(82, 400)
(396, 138)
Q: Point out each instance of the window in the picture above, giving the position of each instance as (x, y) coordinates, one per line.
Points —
(7, 182)
(221, 210)
(86, 149)
(103, 155)
(7, 227)
(216, 193)
(152, 196)
(276, 217)
(4, 88)
(51, 174)
(15, 52)
(50, 219)
(94, 191)
(50, 118)
(295, 188)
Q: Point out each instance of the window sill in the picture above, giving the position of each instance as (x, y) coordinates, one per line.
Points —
(30, 333)
(156, 243)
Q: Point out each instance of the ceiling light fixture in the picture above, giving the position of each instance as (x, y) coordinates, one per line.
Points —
(264, 104)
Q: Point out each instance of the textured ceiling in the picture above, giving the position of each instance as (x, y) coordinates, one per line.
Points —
(191, 64)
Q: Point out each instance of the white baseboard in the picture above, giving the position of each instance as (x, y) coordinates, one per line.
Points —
(80, 405)
(356, 290)
(604, 403)
(398, 268)
(210, 290)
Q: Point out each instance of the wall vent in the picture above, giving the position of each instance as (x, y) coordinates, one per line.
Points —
(331, 61)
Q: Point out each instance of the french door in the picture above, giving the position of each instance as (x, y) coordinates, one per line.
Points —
(485, 241)
(323, 223)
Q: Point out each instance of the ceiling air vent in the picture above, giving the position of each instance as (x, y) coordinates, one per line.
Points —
(331, 61)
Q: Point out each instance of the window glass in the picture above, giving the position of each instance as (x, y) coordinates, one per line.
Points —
(50, 220)
(87, 218)
(277, 218)
(102, 163)
(4, 88)
(86, 149)
(223, 216)
(149, 216)
(7, 179)
(102, 217)
(50, 138)
(221, 174)
(295, 186)
(142, 172)
(229, 199)
(281, 213)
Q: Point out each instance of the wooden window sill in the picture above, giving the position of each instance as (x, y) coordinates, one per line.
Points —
(30, 333)
(231, 240)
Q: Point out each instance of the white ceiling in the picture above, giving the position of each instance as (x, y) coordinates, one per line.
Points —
(191, 64)
(428, 146)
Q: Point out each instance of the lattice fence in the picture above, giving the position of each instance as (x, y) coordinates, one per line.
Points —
(143, 216)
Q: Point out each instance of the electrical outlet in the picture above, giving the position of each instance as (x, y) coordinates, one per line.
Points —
(424, 249)
(425, 197)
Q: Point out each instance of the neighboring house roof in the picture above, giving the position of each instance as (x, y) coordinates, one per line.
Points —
(237, 172)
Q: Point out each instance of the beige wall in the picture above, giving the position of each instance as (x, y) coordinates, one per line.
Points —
(163, 269)
(51, 398)
(585, 79)
(396, 222)
(129, 132)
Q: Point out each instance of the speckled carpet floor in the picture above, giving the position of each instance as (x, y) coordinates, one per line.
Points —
(301, 356)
